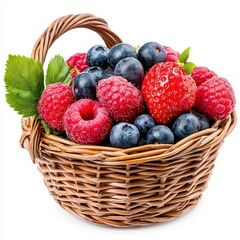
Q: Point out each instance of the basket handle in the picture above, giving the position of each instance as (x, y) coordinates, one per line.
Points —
(31, 127)
(69, 22)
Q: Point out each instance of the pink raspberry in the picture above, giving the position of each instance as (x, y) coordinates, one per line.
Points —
(77, 63)
(55, 100)
(202, 74)
(172, 55)
(215, 98)
(87, 122)
(121, 98)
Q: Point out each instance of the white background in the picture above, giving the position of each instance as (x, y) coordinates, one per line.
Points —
(211, 28)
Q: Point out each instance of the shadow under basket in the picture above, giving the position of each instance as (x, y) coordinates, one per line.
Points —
(121, 187)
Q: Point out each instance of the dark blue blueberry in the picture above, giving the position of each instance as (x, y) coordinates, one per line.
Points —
(203, 120)
(160, 134)
(142, 141)
(131, 69)
(124, 135)
(109, 71)
(64, 136)
(84, 86)
(97, 56)
(150, 54)
(98, 72)
(120, 51)
(185, 125)
(144, 123)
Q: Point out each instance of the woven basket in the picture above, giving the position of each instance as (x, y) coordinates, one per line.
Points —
(121, 187)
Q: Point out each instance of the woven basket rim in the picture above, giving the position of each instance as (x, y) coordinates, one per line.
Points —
(120, 156)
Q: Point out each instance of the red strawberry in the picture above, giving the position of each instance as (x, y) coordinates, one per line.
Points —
(77, 63)
(122, 99)
(202, 74)
(55, 100)
(168, 91)
(216, 98)
(87, 122)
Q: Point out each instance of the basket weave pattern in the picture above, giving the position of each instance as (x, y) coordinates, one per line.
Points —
(121, 187)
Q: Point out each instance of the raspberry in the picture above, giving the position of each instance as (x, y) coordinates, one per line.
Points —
(168, 91)
(55, 100)
(202, 74)
(215, 98)
(121, 98)
(77, 63)
(172, 55)
(87, 122)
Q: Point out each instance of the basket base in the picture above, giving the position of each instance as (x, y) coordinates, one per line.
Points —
(140, 219)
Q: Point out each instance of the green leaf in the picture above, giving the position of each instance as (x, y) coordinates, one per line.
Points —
(24, 81)
(184, 55)
(189, 67)
(58, 71)
(46, 127)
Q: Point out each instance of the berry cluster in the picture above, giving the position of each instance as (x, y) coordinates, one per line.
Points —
(128, 98)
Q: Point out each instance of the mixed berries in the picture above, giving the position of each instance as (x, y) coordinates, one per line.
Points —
(126, 98)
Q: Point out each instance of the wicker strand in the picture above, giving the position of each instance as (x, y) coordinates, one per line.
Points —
(69, 22)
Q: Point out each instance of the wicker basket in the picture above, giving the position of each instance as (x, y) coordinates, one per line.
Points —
(121, 187)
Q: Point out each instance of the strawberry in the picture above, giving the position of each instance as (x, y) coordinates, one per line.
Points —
(168, 91)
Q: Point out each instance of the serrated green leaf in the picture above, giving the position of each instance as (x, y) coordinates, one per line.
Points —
(24, 81)
(189, 67)
(58, 71)
(184, 55)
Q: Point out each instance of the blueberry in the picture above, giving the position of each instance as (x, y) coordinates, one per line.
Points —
(142, 141)
(185, 125)
(98, 72)
(120, 51)
(160, 134)
(63, 136)
(144, 123)
(203, 120)
(131, 69)
(84, 86)
(151, 53)
(124, 135)
(106, 75)
(97, 56)
(109, 71)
